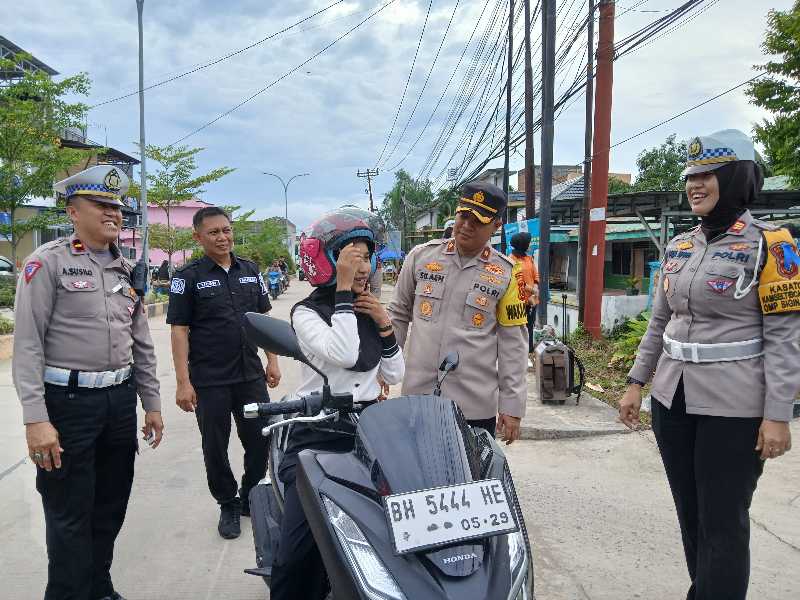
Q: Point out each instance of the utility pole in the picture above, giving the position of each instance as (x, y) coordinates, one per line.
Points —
(369, 174)
(596, 246)
(143, 182)
(587, 169)
(530, 166)
(508, 118)
(548, 118)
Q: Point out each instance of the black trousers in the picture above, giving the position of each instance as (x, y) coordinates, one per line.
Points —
(713, 471)
(298, 572)
(215, 405)
(489, 425)
(531, 312)
(86, 499)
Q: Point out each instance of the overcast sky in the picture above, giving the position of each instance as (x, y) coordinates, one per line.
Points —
(332, 117)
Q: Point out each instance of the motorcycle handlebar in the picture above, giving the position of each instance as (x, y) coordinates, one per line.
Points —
(265, 409)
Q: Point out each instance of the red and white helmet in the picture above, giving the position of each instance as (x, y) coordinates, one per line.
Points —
(321, 241)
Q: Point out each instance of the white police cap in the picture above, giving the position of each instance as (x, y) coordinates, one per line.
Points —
(103, 183)
(709, 152)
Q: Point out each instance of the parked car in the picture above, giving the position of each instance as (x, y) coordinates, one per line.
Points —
(6, 267)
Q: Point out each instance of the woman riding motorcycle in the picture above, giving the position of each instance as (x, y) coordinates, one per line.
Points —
(347, 334)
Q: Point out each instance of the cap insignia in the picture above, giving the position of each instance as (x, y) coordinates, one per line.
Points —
(695, 148)
(478, 197)
(112, 180)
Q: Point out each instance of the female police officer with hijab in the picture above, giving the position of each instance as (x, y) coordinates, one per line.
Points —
(723, 341)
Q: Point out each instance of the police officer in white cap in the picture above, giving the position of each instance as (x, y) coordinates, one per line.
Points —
(723, 342)
(82, 353)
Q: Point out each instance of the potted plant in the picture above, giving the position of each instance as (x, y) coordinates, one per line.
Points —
(633, 285)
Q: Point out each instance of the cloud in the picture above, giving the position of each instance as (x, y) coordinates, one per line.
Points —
(332, 117)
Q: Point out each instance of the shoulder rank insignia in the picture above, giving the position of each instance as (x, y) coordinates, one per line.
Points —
(451, 247)
(779, 282)
(478, 319)
(687, 245)
(434, 266)
(737, 227)
(496, 269)
(78, 246)
(487, 252)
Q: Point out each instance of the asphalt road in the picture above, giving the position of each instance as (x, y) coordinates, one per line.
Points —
(599, 513)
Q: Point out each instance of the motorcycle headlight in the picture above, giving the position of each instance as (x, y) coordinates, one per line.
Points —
(518, 560)
(372, 575)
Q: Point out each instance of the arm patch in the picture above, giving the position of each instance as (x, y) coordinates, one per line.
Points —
(511, 308)
(779, 281)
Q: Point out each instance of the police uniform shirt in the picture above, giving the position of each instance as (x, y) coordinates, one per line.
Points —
(212, 303)
(469, 305)
(742, 285)
(74, 312)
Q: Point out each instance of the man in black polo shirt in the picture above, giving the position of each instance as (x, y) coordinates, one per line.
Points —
(218, 371)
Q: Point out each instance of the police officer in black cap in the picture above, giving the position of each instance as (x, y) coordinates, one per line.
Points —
(217, 368)
(461, 294)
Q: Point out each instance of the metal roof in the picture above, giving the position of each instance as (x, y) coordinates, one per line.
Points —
(9, 48)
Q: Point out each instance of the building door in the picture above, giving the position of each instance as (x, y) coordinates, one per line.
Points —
(638, 262)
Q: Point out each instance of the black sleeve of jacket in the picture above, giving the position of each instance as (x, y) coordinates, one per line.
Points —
(181, 298)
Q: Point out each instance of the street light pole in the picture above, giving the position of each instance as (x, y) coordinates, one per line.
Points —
(143, 184)
(285, 185)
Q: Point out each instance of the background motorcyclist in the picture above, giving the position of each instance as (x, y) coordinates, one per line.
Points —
(346, 333)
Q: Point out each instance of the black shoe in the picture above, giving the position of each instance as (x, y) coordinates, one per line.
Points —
(229, 527)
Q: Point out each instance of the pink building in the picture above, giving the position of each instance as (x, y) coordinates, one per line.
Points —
(179, 216)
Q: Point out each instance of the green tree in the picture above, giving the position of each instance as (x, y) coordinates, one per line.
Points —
(660, 168)
(175, 182)
(171, 239)
(407, 199)
(779, 92)
(617, 186)
(447, 201)
(34, 113)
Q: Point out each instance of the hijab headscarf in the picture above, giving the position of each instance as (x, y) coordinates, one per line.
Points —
(739, 185)
(323, 302)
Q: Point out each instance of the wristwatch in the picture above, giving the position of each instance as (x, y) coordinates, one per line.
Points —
(631, 380)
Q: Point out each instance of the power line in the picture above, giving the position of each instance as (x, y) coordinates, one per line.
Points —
(285, 75)
(220, 59)
(446, 87)
(424, 85)
(688, 110)
(408, 81)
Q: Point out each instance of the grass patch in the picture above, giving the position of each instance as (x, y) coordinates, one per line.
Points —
(6, 326)
(605, 367)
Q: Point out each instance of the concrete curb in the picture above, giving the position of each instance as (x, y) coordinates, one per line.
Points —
(6, 346)
(7, 341)
(157, 309)
(590, 418)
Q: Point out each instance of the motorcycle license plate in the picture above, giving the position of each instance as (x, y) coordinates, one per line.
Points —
(441, 516)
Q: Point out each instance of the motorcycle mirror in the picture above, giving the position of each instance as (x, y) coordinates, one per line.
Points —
(450, 362)
(273, 335)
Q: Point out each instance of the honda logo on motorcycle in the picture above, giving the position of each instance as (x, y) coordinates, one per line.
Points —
(458, 558)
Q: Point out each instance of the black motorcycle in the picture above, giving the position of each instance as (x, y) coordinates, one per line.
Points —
(424, 507)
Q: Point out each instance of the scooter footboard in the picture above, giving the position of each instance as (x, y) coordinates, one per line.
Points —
(266, 531)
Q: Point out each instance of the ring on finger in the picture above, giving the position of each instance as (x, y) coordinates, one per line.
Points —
(38, 456)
